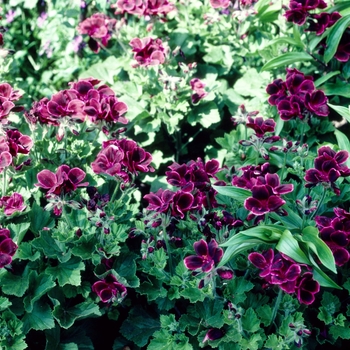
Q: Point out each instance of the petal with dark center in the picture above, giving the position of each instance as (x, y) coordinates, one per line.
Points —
(260, 192)
(5, 259)
(47, 179)
(341, 256)
(255, 206)
(193, 262)
(225, 273)
(293, 272)
(273, 180)
(201, 248)
(340, 238)
(8, 247)
(275, 202)
(258, 260)
(341, 157)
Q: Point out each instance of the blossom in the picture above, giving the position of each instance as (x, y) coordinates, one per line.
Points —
(343, 50)
(250, 174)
(17, 142)
(320, 22)
(7, 247)
(198, 87)
(5, 155)
(157, 7)
(329, 166)
(65, 180)
(220, 3)
(207, 255)
(213, 334)
(109, 289)
(299, 10)
(307, 287)
(148, 51)
(12, 203)
(135, 7)
(261, 126)
(7, 96)
(99, 27)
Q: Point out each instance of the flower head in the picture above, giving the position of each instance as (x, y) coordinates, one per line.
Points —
(109, 289)
(12, 203)
(148, 51)
(7, 247)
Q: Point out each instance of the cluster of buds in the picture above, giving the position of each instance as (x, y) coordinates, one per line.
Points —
(243, 115)
(306, 206)
(147, 247)
(300, 331)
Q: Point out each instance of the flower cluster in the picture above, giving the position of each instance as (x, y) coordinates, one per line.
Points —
(299, 10)
(7, 96)
(297, 97)
(198, 87)
(144, 7)
(109, 289)
(148, 52)
(7, 247)
(122, 158)
(220, 3)
(279, 269)
(195, 191)
(83, 101)
(59, 184)
(336, 234)
(99, 28)
(329, 166)
(343, 50)
(207, 256)
(12, 203)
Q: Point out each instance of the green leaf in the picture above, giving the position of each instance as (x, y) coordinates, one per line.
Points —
(343, 111)
(66, 316)
(193, 294)
(67, 272)
(48, 245)
(292, 220)
(274, 342)
(39, 319)
(265, 314)
(38, 286)
(285, 40)
(139, 326)
(39, 218)
(334, 36)
(289, 245)
(341, 332)
(240, 194)
(15, 284)
(237, 289)
(286, 59)
(338, 89)
(319, 247)
(250, 321)
(326, 77)
(25, 252)
(153, 290)
(322, 278)
(18, 231)
(205, 114)
(252, 343)
(4, 303)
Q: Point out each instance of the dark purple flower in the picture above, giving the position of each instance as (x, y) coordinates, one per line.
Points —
(250, 175)
(160, 201)
(148, 51)
(316, 102)
(64, 181)
(320, 22)
(207, 255)
(182, 203)
(5, 155)
(109, 289)
(299, 10)
(343, 50)
(12, 203)
(7, 247)
(261, 126)
(18, 143)
(329, 166)
(307, 287)
(213, 333)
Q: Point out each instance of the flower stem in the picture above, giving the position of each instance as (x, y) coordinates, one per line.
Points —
(4, 183)
(319, 203)
(276, 307)
(64, 214)
(168, 248)
(114, 192)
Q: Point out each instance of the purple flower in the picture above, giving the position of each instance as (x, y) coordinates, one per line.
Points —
(5, 155)
(198, 87)
(250, 175)
(160, 201)
(135, 7)
(213, 333)
(148, 51)
(220, 3)
(343, 50)
(99, 27)
(65, 180)
(320, 22)
(299, 10)
(12, 203)
(261, 126)
(7, 247)
(158, 7)
(18, 143)
(10, 16)
(109, 289)
(207, 255)
(329, 166)
(316, 102)
(307, 287)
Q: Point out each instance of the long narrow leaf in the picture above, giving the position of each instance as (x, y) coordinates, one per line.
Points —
(237, 193)
(334, 36)
(343, 111)
(326, 77)
(286, 59)
(343, 143)
(322, 278)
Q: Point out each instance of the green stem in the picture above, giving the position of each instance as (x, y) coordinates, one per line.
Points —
(4, 183)
(275, 309)
(319, 203)
(284, 165)
(114, 192)
(65, 216)
(168, 248)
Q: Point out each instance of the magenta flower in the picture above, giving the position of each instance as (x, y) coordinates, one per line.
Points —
(109, 289)
(250, 174)
(307, 287)
(7, 247)
(213, 334)
(65, 180)
(343, 50)
(135, 7)
(261, 126)
(160, 201)
(320, 22)
(198, 87)
(18, 143)
(99, 27)
(12, 204)
(158, 7)
(299, 10)
(329, 166)
(207, 255)
(5, 155)
(316, 102)
(148, 51)
(220, 3)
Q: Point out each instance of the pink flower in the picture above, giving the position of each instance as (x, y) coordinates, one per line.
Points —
(18, 143)
(64, 181)
(148, 51)
(198, 87)
(12, 203)
(220, 3)
(5, 155)
(7, 247)
(135, 7)
(109, 289)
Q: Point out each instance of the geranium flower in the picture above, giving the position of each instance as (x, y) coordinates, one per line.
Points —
(160, 201)
(65, 180)
(320, 22)
(329, 166)
(148, 51)
(261, 126)
(198, 87)
(213, 334)
(207, 255)
(299, 10)
(7, 247)
(109, 289)
(220, 3)
(158, 7)
(135, 7)
(18, 143)
(307, 287)
(5, 155)
(12, 203)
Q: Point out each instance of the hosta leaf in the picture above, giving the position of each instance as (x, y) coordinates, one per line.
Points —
(334, 37)
(237, 193)
(326, 77)
(288, 245)
(286, 59)
(343, 111)
(343, 143)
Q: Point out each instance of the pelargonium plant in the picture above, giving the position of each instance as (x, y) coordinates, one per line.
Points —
(134, 214)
